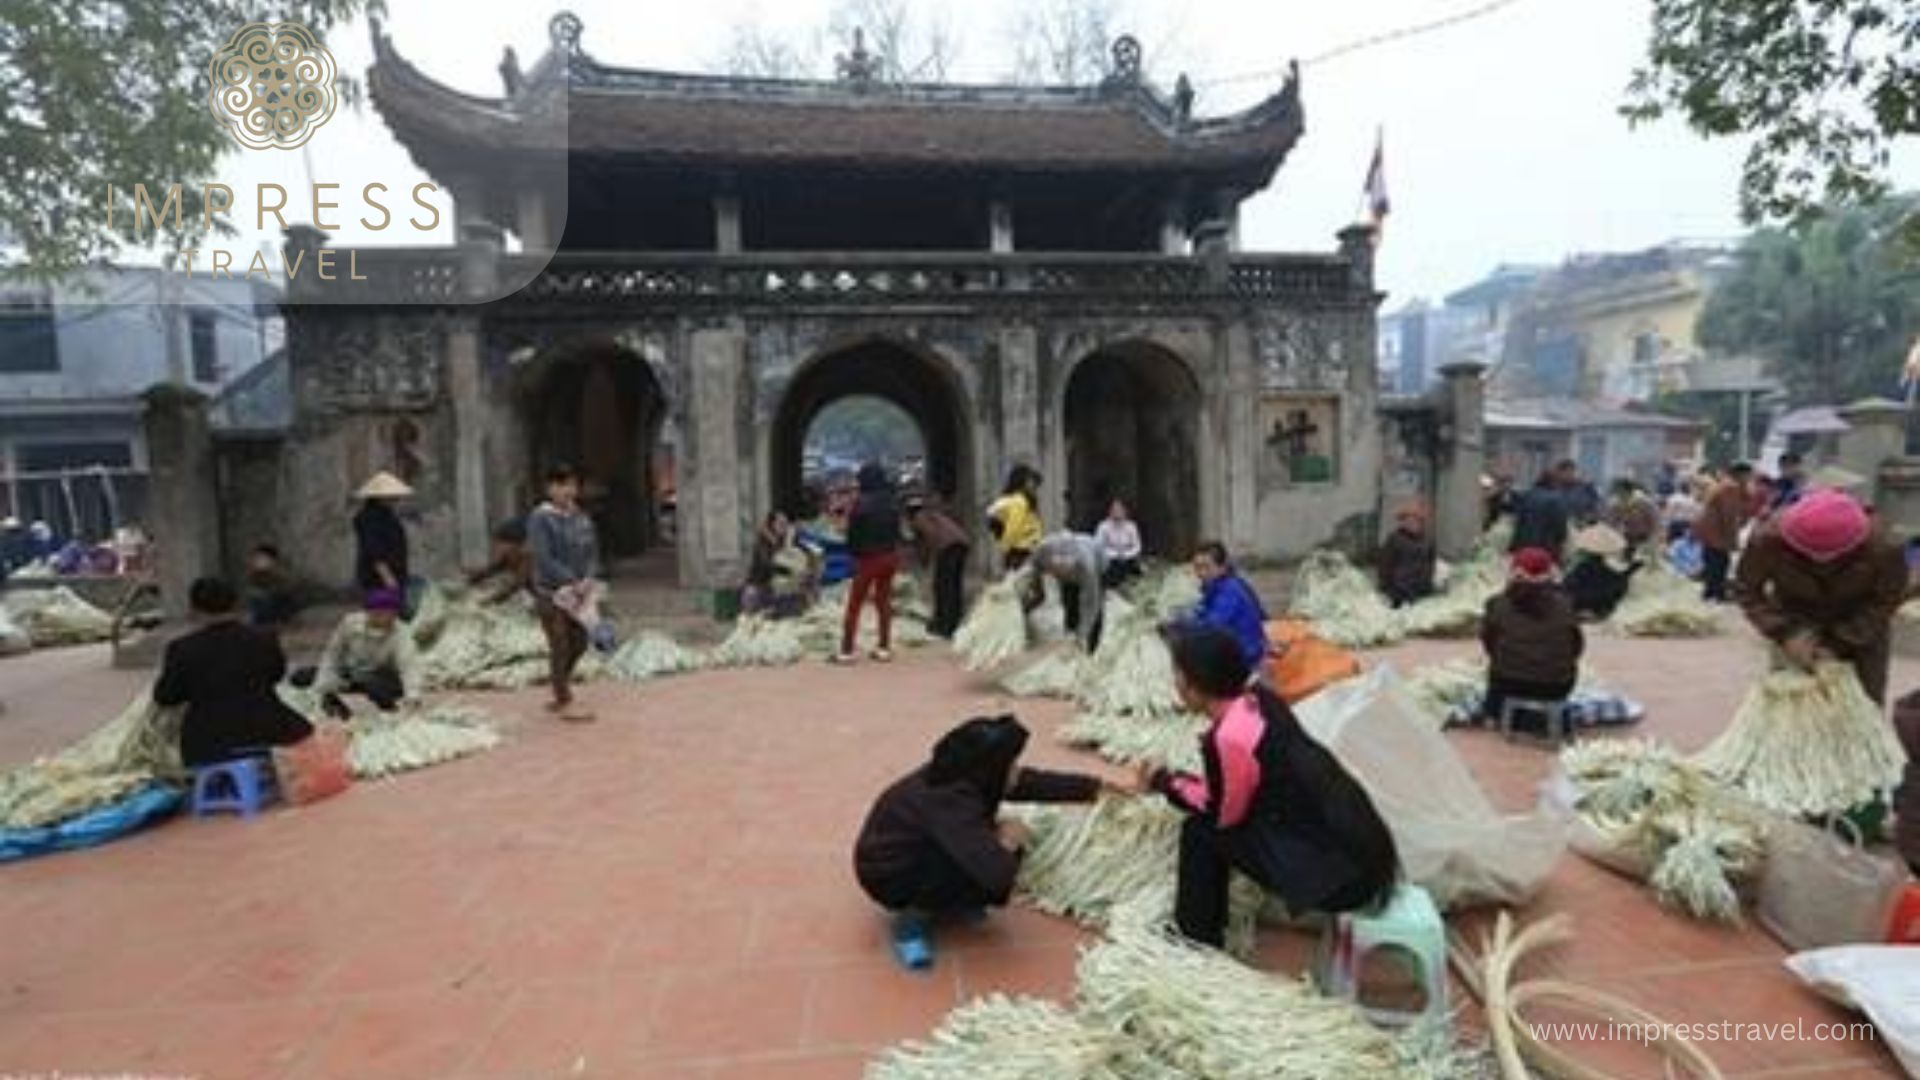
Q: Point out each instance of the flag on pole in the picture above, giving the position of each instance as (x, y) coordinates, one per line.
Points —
(1375, 192)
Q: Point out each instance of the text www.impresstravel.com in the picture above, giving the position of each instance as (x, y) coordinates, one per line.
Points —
(1716, 1031)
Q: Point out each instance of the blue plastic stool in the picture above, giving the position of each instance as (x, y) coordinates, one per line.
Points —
(242, 786)
(1411, 924)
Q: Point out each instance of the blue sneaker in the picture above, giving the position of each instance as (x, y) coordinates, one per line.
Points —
(912, 943)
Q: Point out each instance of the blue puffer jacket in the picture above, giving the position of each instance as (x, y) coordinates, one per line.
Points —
(1229, 603)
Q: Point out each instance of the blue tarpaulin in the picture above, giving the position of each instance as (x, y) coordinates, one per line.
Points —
(147, 805)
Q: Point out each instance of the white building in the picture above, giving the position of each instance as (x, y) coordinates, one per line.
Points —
(75, 358)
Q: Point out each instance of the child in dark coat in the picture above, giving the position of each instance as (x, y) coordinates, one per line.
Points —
(933, 844)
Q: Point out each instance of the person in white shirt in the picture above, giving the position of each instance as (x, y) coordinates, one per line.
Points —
(1119, 540)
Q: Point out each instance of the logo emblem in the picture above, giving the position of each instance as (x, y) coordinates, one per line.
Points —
(273, 85)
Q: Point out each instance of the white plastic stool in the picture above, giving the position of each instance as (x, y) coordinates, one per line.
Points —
(1558, 716)
(1410, 922)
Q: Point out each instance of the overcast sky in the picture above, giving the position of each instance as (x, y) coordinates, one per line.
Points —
(1503, 143)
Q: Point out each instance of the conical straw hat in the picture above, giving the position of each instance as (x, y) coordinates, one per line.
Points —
(384, 485)
(1602, 540)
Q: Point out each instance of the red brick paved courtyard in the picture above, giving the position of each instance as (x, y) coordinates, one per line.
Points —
(667, 894)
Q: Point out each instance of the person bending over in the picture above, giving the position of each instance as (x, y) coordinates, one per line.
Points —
(933, 844)
(224, 673)
(1272, 803)
(1079, 564)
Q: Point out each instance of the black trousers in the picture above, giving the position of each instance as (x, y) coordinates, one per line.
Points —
(1070, 601)
(949, 589)
(1120, 571)
(381, 686)
(1713, 574)
(1208, 857)
(937, 886)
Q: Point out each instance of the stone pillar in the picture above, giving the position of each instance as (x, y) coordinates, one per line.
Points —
(302, 243)
(183, 512)
(1173, 228)
(711, 548)
(1356, 245)
(1000, 227)
(1463, 458)
(1241, 504)
(531, 213)
(480, 247)
(1878, 434)
(726, 225)
(1212, 242)
(1020, 404)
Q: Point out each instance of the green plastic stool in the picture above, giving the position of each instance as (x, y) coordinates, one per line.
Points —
(1410, 922)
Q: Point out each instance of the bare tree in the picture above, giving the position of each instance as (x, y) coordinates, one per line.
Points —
(912, 40)
(1065, 42)
(905, 40)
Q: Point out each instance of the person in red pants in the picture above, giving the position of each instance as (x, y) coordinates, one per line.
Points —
(873, 539)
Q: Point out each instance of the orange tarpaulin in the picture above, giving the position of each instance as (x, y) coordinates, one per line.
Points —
(1306, 662)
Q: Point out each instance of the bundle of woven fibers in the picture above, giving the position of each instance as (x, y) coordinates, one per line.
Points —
(1343, 604)
(1168, 740)
(1058, 673)
(469, 645)
(650, 654)
(819, 628)
(1000, 1038)
(1209, 1016)
(57, 616)
(995, 630)
(1805, 743)
(384, 744)
(1662, 604)
(1647, 812)
(759, 642)
(139, 746)
(13, 640)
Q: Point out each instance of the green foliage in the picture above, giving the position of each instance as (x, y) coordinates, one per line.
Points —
(1722, 415)
(1823, 87)
(98, 92)
(1828, 302)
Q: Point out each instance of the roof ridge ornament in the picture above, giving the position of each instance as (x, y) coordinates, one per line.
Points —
(1126, 59)
(564, 31)
(858, 66)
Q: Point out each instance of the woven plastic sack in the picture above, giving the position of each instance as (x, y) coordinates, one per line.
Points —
(314, 768)
(1820, 889)
(1452, 840)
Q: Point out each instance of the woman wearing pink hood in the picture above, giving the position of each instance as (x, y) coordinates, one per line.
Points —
(1819, 581)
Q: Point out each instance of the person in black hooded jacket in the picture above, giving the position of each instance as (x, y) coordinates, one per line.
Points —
(933, 844)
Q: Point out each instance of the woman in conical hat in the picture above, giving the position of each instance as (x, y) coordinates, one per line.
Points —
(1602, 571)
(380, 541)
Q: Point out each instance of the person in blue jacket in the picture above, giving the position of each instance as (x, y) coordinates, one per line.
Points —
(1228, 602)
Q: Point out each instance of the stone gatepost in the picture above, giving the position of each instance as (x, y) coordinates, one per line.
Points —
(480, 247)
(183, 513)
(714, 520)
(1877, 435)
(1463, 458)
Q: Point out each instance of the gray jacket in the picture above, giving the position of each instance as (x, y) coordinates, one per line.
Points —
(1074, 559)
(563, 546)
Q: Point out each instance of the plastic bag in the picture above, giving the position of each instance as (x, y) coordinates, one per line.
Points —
(1819, 890)
(1882, 981)
(1452, 840)
(315, 767)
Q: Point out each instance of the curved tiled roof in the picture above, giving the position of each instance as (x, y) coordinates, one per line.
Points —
(571, 102)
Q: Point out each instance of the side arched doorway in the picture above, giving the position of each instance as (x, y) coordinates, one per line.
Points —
(1132, 423)
(903, 378)
(600, 409)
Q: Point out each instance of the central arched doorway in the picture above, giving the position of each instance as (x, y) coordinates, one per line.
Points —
(875, 381)
(600, 409)
(1132, 416)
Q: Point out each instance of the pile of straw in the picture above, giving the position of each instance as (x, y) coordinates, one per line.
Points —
(13, 640)
(1807, 743)
(999, 1038)
(384, 744)
(1056, 674)
(1343, 604)
(1662, 604)
(137, 747)
(650, 654)
(759, 642)
(995, 630)
(474, 646)
(57, 616)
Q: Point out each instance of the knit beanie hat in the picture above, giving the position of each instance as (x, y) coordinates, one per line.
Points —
(1534, 565)
(382, 600)
(1825, 525)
